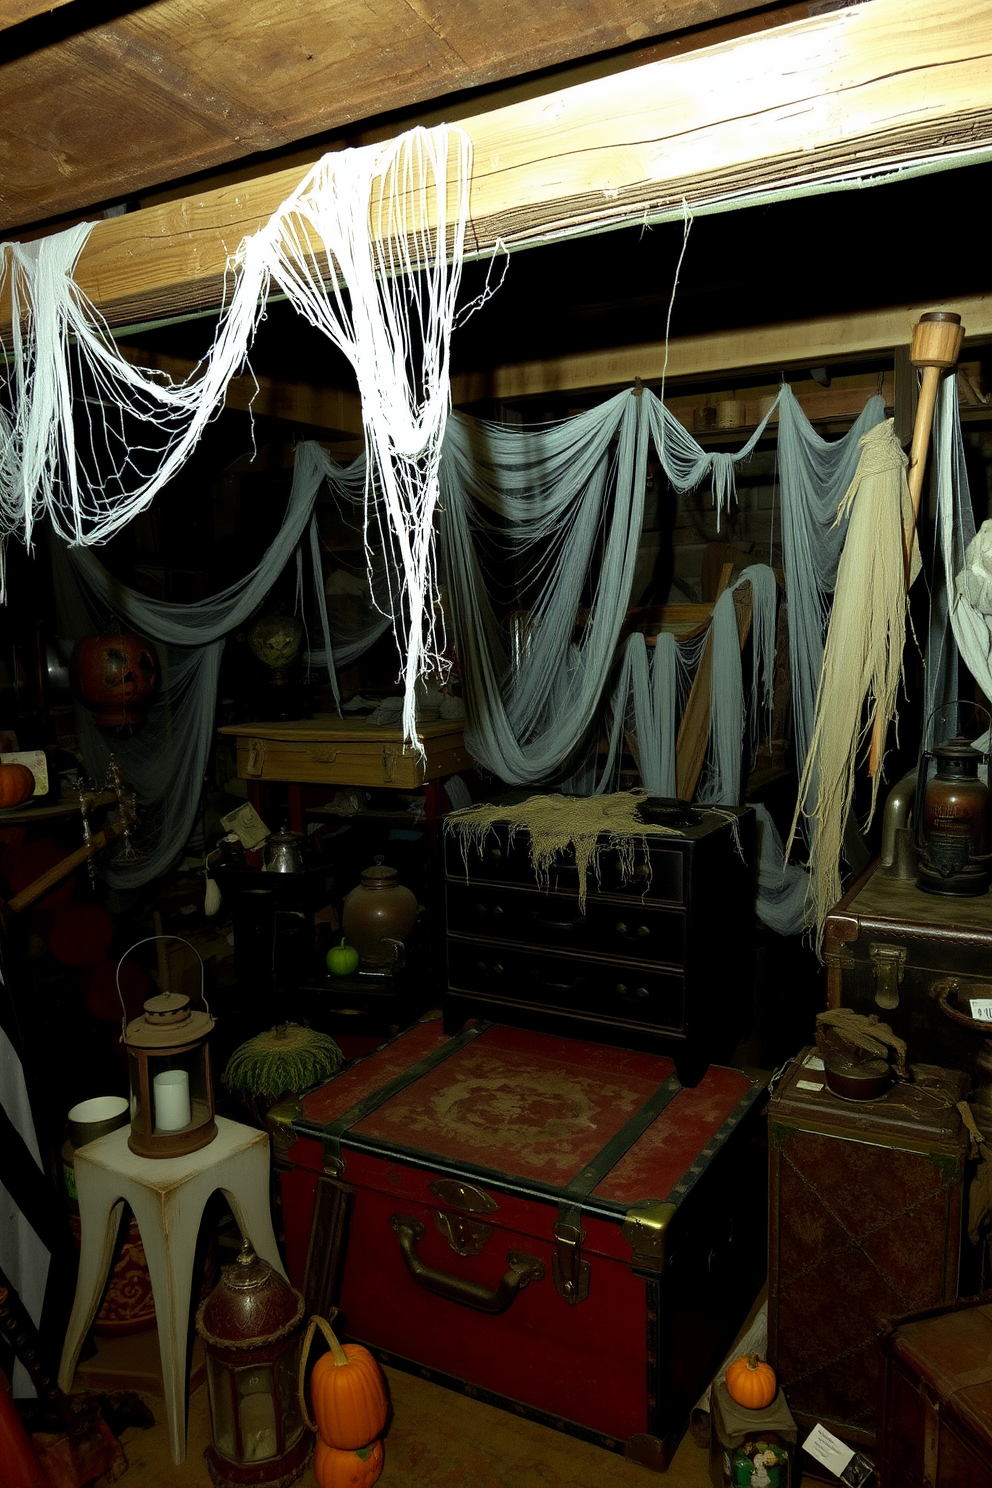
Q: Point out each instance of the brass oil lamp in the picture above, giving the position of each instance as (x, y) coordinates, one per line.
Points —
(952, 820)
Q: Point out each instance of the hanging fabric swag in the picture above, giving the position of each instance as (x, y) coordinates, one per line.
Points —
(167, 760)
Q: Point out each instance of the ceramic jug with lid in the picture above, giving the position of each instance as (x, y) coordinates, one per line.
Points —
(377, 913)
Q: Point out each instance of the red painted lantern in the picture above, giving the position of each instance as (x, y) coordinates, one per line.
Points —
(114, 675)
(250, 1326)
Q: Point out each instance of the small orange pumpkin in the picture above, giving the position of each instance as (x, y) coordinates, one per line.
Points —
(16, 783)
(350, 1403)
(751, 1382)
(334, 1468)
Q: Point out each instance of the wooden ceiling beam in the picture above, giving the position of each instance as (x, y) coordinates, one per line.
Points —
(807, 343)
(852, 93)
(16, 11)
(99, 108)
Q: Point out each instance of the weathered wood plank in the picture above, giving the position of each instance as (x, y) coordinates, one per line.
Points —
(818, 340)
(181, 86)
(13, 12)
(852, 92)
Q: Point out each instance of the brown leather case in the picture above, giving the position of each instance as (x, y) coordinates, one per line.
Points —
(887, 934)
(865, 1226)
(937, 1419)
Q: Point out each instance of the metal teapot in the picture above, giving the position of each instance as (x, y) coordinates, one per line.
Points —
(283, 853)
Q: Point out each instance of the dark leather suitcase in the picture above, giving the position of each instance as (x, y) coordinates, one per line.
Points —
(937, 1419)
(866, 1201)
(889, 942)
(558, 1227)
(660, 957)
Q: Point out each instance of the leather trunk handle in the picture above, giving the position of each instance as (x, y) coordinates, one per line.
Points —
(523, 1269)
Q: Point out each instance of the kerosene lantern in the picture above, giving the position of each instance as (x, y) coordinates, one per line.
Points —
(172, 1093)
(251, 1325)
(952, 820)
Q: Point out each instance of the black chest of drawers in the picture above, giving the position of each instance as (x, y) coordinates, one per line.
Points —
(661, 957)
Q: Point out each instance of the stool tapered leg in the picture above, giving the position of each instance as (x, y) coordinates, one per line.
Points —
(100, 1214)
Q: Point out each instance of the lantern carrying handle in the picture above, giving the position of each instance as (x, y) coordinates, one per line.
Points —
(147, 939)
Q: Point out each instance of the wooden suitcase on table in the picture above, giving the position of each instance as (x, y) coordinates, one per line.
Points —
(557, 1227)
(937, 1419)
(887, 942)
(866, 1201)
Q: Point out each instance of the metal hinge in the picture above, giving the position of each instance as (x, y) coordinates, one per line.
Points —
(570, 1271)
(279, 1119)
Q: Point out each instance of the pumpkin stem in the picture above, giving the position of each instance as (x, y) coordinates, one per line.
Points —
(337, 1352)
(753, 1361)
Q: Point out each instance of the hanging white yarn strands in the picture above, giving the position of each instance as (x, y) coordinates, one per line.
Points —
(90, 439)
(862, 658)
(380, 218)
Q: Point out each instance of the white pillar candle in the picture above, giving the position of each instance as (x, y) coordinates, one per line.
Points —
(172, 1108)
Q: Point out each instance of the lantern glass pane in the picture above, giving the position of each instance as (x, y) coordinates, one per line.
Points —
(134, 1075)
(221, 1414)
(257, 1405)
(179, 1090)
(287, 1374)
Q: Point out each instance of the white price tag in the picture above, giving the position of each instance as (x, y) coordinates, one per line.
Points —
(833, 1454)
(849, 1466)
(813, 1062)
(981, 1009)
(809, 1084)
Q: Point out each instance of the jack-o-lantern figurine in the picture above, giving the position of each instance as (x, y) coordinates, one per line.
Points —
(115, 675)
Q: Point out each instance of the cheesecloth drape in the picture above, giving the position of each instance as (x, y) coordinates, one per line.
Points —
(166, 759)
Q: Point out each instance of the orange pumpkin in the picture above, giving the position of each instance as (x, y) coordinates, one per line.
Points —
(751, 1382)
(334, 1468)
(348, 1391)
(16, 784)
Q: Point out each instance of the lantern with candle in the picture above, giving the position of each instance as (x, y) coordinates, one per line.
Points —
(250, 1326)
(172, 1095)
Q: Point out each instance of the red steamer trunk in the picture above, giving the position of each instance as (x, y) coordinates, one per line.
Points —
(554, 1226)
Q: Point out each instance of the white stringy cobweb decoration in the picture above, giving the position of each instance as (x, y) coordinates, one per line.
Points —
(88, 439)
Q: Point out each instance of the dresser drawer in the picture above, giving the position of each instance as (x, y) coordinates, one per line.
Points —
(514, 977)
(607, 927)
(657, 873)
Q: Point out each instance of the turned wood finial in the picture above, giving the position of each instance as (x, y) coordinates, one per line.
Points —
(937, 338)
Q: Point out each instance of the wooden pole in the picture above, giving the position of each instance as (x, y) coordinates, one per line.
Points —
(56, 874)
(937, 339)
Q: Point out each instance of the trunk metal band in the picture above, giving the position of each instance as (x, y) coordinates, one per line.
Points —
(570, 1271)
(330, 1136)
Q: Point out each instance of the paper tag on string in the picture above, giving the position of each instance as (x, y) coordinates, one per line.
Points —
(981, 1009)
(247, 826)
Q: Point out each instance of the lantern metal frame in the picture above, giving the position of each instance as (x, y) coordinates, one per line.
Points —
(168, 1030)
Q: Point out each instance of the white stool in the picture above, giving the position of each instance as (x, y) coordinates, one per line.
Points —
(167, 1196)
